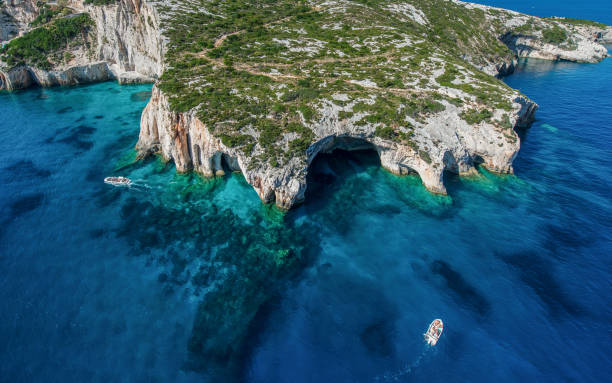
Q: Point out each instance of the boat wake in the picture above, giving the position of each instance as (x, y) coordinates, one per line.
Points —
(406, 370)
(431, 337)
(139, 185)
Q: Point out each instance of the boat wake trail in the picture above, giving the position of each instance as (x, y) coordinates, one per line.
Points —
(140, 185)
(404, 371)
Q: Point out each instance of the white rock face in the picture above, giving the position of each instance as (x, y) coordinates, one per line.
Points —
(184, 139)
(127, 47)
(451, 144)
(128, 37)
(586, 51)
(15, 17)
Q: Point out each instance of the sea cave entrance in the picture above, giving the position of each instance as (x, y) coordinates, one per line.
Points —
(347, 169)
(341, 160)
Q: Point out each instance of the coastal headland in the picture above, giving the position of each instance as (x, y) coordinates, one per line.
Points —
(264, 87)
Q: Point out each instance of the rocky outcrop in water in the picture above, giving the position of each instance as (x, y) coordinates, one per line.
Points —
(461, 118)
(584, 50)
(451, 143)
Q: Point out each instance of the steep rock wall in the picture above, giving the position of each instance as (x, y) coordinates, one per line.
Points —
(15, 17)
(184, 139)
(585, 50)
(124, 45)
(128, 37)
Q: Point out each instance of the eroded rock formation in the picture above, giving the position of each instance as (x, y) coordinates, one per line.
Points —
(455, 116)
(452, 144)
(124, 45)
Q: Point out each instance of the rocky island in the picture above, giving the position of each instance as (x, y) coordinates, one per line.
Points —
(262, 87)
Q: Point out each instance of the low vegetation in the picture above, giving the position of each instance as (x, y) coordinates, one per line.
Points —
(554, 35)
(258, 73)
(36, 47)
(580, 22)
(260, 69)
(46, 14)
(100, 2)
(473, 116)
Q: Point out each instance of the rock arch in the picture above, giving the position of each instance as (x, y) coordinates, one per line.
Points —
(396, 158)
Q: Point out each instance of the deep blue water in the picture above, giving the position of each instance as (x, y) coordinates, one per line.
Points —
(100, 284)
(598, 10)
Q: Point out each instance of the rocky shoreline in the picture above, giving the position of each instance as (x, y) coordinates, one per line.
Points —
(125, 46)
(128, 44)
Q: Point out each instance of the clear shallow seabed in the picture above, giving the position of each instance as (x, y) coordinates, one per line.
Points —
(104, 284)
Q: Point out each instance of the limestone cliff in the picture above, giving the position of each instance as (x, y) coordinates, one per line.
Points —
(451, 143)
(265, 87)
(549, 38)
(15, 17)
(124, 44)
(440, 140)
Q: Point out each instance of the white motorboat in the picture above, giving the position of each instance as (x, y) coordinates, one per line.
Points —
(118, 181)
(434, 332)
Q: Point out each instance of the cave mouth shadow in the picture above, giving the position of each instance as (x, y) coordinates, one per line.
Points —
(226, 167)
(328, 171)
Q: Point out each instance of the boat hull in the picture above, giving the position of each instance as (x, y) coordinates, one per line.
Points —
(434, 332)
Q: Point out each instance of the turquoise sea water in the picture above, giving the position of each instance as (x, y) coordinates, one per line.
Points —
(101, 284)
(598, 10)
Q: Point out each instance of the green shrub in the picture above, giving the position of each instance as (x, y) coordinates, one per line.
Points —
(269, 133)
(234, 141)
(450, 73)
(425, 156)
(505, 122)
(68, 56)
(46, 15)
(34, 47)
(572, 21)
(385, 132)
(525, 29)
(473, 116)
(554, 35)
(100, 2)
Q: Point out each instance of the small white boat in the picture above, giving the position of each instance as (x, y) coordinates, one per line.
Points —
(434, 332)
(118, 181)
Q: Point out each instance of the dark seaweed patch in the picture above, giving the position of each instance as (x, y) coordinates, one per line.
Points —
(65, 110)
(378, 339)
(567, 236)
(107, 195)
(252, 260)
(27, 168)
(77, 137)
(118, 146)
(97, 233)
(25, 204)
(536, 273)
(463, 292)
